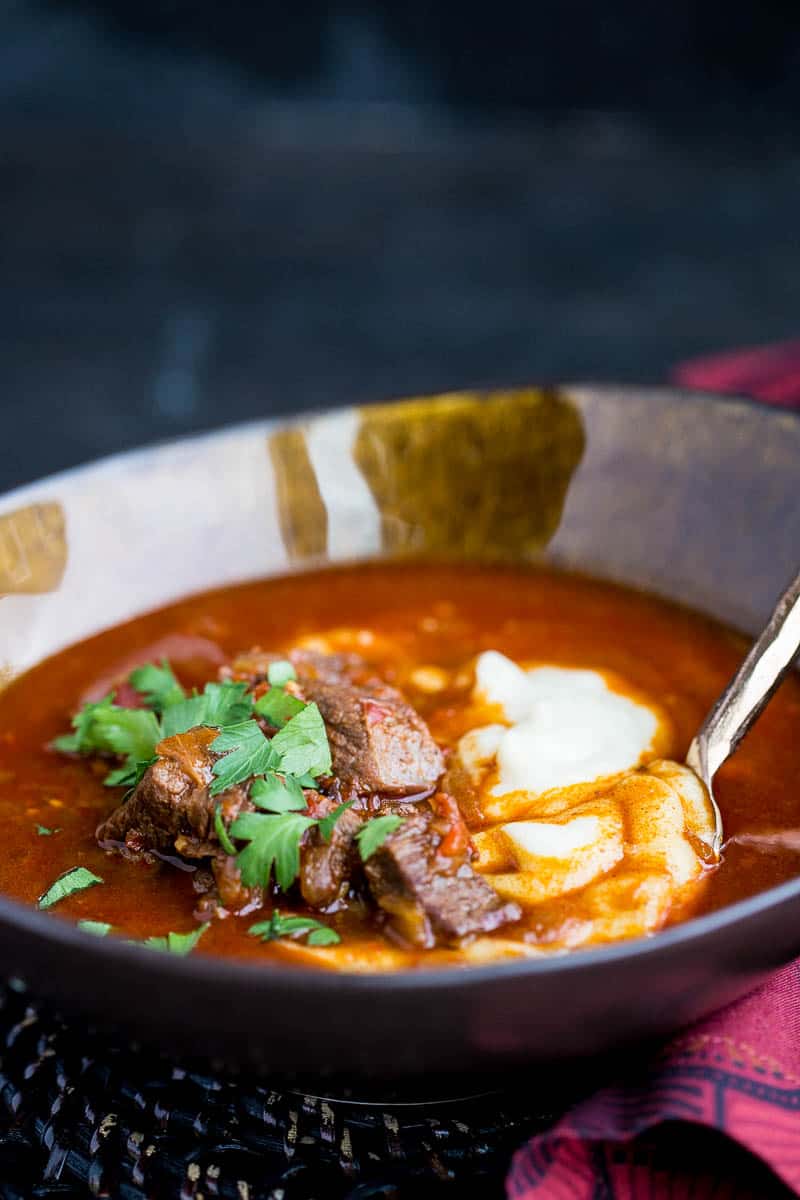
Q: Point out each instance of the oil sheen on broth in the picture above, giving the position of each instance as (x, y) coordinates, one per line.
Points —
(563, 706)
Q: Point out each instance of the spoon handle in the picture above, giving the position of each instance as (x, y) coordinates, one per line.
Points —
(744, 698)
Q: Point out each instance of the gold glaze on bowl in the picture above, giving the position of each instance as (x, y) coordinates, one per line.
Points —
(466, 475)
(33, 549)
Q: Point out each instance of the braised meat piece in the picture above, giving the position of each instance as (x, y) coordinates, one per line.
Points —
(327, 868)
(430, 896)
(384, 760)
(171, 813)
(379, 744)
(169, 804)
(231, 894)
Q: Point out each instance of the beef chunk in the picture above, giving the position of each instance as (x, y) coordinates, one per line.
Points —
(326, 868)
(379, 744)
(430, 896)
(172, 813)
(171, 809)
(168, 805)
(231, 894)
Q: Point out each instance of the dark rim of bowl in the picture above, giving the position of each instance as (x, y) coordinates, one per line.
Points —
(203, 968)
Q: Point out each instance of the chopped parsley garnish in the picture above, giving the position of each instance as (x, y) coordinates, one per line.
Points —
(134, 733)
(279, 926)
(374, 833)
(43, 831)
(157, 685)
(277, 795)
(327, 823)
(222, 833)
(323, 937)
(130, 773)
(97, 928)
(277, 707)
(77, 879)
(279, 767)
(281, 673)
(218, 705)
(247, 751)
(104, 727)
(306, 781)
(170, 943)
(175, 943)
(302, 744)
(274, 844)
(81, 740)
(274, 833)
(130, 732)
(107, 728)
(300, 748)
(226, 703)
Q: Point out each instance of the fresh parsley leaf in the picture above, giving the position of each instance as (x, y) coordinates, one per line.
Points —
(182, 717)
(281, 673)
(323, 937)
(327, 823)
(176, 943)
(131, 732)
(98, 928)
(246, 752)
(274, 834)
(374, 833)
(43, 831)
(221, 831)
(277, 706)
(302, 744)
(130, 774)
(277, 795)
(279, 926)
(80, 740)
(219, 704)
(107, 728)
(274, 845)
(227, 703)
(74, 880)
(157, 685)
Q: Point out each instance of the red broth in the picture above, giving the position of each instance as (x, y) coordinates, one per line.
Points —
(428, 615)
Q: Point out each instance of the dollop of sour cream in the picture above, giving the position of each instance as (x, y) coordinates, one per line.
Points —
(541, 839)
(565, 726)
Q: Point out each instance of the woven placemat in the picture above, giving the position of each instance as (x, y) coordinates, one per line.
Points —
(80, 1118)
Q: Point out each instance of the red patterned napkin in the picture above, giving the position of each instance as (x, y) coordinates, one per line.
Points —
(721, 1103)
(738, 1072)
(768, 373)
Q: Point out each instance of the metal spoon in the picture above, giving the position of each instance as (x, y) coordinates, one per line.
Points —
(747, 694)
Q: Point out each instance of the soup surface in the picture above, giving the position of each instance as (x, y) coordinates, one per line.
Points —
(416, 765)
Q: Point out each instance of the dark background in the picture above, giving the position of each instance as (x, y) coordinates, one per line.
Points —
(214, 212)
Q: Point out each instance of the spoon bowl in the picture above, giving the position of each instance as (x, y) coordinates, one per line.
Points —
(746, 696)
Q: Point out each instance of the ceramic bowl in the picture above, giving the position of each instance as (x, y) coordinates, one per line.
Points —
(691, 496)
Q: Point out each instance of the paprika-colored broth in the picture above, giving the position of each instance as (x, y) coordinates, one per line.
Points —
(407, 617)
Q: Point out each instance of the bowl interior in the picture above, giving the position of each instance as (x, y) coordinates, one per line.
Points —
(689, 496)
